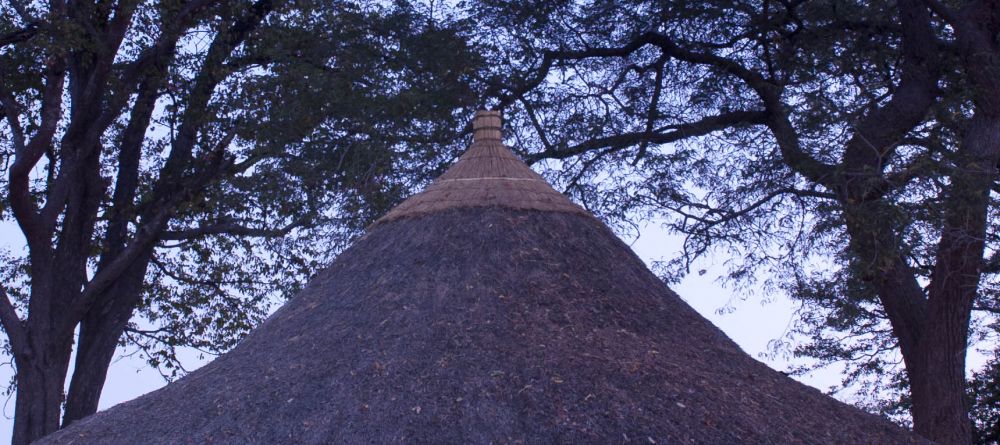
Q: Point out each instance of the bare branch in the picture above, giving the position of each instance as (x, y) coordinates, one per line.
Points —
(17, 334)
(231, 228)
(677, 132)
(770, 94)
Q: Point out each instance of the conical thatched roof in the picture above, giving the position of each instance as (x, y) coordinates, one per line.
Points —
(487, 175)
(487, 309)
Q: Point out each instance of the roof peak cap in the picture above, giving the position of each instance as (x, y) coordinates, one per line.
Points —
(486, 126)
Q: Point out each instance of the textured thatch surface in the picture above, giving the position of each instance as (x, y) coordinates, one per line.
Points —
(485, 323)
(478, 326)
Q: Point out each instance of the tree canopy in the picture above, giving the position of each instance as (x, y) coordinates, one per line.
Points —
(177, 166)
(841, 153)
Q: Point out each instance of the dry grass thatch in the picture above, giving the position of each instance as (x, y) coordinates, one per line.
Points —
(487, 175)
(473, 323)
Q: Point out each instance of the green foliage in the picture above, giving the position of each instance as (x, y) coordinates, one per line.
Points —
(331, 113)
(984, 392)
(349, 104)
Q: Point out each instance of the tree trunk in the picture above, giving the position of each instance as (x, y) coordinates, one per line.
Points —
(940, 412)
(40, 382)
(937, 389)
(100, 331)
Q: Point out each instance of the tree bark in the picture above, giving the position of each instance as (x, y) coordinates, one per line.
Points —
(40, 389)
(933, 331)
(938, 386)
(940, 411)
(100, 331)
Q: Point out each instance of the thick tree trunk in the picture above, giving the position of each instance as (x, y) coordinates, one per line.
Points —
(42, 367)
(37, 406)
(97, 345)
(100, 331)
(40, 382)
(937, 388)
(938, 384)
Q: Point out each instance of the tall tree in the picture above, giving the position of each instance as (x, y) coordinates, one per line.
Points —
(848, 148)
(166, 159)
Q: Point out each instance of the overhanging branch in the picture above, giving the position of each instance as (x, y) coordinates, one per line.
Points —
(231, 228)
(676, 133)
(777, 118)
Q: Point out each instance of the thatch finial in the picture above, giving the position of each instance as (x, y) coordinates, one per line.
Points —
(486, 126)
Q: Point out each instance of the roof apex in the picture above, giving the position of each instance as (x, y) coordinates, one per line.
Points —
(489, 174)
(487, 126)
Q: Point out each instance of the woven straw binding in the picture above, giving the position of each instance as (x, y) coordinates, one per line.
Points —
(486, 126)
(487, 175)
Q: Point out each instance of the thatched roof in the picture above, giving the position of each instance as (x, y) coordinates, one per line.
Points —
(488, 309)
(487, 175)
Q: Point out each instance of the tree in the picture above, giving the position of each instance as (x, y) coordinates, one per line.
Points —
(984, 392)
(849, 149)
(165, 160)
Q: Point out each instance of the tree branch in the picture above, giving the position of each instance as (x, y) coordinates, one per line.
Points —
(20, 35)
(878, 134)
(652, 112)
(727, 216)
(533, 118)
(152, 227)
(174, 185)
(17, 334)
(678, 132)
(213, 71)
(21, 201)
(770, 94)
(10, 111)
(990, 309)
(232, 228)
(22, 11)
(129, 154)
(947, 14)
(174, 29)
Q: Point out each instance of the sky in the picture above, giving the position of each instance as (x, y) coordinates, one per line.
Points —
(752, 325)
